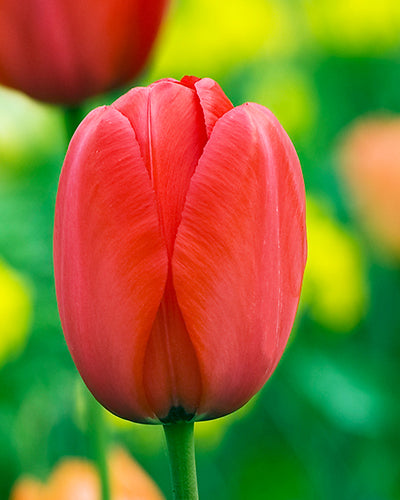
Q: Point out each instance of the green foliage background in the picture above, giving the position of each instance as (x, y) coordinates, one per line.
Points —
(326, 425)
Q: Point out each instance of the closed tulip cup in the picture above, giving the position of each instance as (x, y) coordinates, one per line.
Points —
(179, 250)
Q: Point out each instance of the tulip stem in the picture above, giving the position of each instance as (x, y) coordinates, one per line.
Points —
(180, 442)
(99, 443)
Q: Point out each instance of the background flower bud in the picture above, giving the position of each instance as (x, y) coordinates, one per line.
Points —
(179, 250)
(66, 51)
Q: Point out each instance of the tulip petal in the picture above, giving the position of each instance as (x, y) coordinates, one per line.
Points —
(240, 254)
(212, 98)
(213, 101)
(110, 260)
(189, 81)
(171, 138)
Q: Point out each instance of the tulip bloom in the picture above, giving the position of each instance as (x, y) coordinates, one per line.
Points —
(65, 51)
(179, 250)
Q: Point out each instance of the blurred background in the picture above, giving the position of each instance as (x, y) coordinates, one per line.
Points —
(326, 425)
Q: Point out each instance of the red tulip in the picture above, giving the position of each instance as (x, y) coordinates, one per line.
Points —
(179, 250)
(64, 51)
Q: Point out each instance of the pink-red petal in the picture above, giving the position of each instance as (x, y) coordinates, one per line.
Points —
(240, 254)
(171, 370)
(213, 102)
(170, 129)
(110, 260)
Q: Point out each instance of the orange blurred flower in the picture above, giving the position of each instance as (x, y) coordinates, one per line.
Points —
(370, 157)
(77, 479)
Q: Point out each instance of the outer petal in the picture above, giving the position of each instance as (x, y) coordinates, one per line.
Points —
(169, 123)
(240, 254)
(110, 260)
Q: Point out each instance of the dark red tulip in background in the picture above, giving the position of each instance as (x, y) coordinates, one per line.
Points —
(64, 51)
(179, 250)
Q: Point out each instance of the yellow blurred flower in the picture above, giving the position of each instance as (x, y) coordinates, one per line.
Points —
(289, 93)
(208, 38)
(335, 288)
(77, 479)
(15, 312)
(355, 26)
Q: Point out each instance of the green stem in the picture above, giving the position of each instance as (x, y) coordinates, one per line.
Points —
(180, 442)
(72, 118)
(99, 443)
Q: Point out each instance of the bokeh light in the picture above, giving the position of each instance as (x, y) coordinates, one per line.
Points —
(335, 282)
(205, 38)
(25, 129)
(354, 26)
(16, 311)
